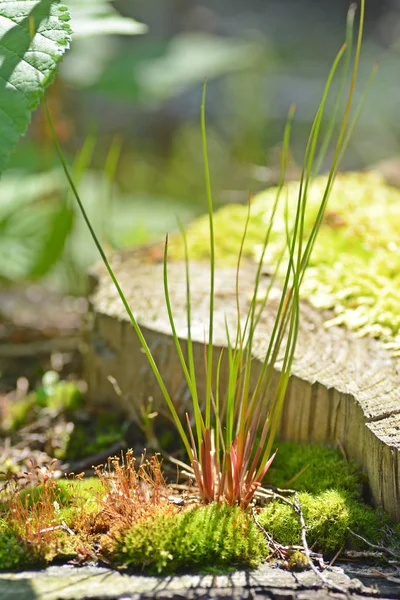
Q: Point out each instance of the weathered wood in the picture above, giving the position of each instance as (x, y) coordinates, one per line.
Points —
(344, 390)
(264, 583)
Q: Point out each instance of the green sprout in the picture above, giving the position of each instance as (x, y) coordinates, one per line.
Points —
(230, 447)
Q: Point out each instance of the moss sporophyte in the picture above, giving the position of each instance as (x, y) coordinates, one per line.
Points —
(228, 440)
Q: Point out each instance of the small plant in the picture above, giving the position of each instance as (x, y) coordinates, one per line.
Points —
(129, 494)
(230, 434)
(126, 517)
(33, 519)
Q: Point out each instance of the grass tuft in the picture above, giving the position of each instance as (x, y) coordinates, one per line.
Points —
(235, 435)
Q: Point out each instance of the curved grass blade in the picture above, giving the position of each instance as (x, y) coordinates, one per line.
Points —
(107, 264)
(212, 258)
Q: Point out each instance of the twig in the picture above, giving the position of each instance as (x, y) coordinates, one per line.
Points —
(264, 494)
(54, 528)
(375, 546)
(321, 576)
(67, 529)
(388, 576)
(277, 548)
(338, 553)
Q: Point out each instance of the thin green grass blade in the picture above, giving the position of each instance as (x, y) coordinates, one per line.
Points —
(284, 159)
(283, 167)
(336, 105)
(357, 114)
(192, 371)
(239, 336)
(303, 261)
(218, 425)
(252, 319)
(135, 325)
(339, 145)
(231, 392)
(309, 157)
(277, 331)
(172, 320)
(212, 258)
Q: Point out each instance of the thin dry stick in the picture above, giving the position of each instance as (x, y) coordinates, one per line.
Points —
(382, 549)
(277, 548)
(332, 586)
(338, 553)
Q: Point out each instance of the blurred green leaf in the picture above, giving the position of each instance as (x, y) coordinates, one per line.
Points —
(163, 71)
(99, 17)
(33, 38)
(192, 57)
(21, 239)
(54, 241)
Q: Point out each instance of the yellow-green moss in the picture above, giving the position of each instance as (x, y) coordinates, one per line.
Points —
(330, 494)
(314, 468)
(328, 516)
(208, 538)
(298, 561)
(67, 491)
(211, 538)
(14, 553)
(355, 265)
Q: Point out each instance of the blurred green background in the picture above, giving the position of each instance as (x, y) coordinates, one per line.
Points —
(126, 108)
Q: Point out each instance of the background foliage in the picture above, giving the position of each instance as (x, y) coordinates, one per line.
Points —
(131, 102)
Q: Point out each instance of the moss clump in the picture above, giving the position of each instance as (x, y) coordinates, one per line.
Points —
(298, 561)
(328, 516)
(14, 553)
(208, 538)
(67, 492)
(315, 469)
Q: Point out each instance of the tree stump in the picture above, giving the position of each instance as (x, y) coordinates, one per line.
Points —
(344, 390)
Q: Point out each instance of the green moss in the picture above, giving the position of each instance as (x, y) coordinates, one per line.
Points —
(213, 538)
(355, 265)
(298, 561)
(330, 494)
(72, 502)
(67, 492)
(328, 516)
(14, 553)
(207, 538)
(314, 468)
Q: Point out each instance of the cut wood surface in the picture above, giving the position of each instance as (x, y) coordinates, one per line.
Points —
(344, 390)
